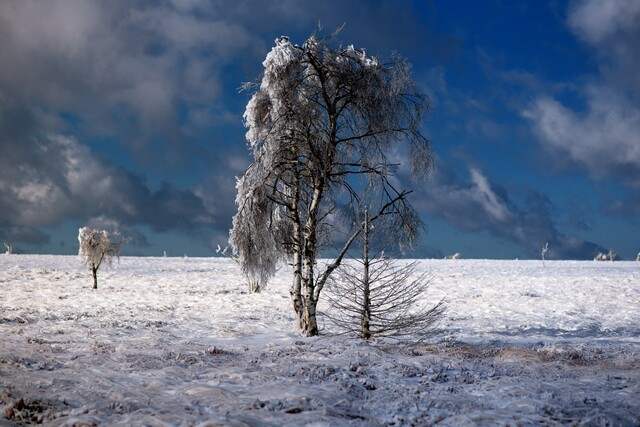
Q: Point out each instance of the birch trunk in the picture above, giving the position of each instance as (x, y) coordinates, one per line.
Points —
(366, 294)
(310, 245)
(296, 286)
(310, 324)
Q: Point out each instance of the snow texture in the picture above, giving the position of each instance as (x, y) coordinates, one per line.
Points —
(179, 341)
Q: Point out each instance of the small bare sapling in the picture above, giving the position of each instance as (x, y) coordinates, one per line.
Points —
(377, 296)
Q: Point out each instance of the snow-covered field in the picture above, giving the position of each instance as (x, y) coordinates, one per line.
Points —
(179, 341)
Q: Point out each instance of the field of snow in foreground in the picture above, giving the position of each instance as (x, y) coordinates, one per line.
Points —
(179, 341)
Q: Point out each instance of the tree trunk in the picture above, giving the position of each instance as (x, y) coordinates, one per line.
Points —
(310, 321)
(309, 248)
(94, 270)
(310, 325)
(366, 295)
(296, 288)
(254, 285)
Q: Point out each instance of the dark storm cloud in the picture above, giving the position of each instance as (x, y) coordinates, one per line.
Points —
(128, 68)
(144, 74)
(480, 205)
(153, 77)
(20, 233)
(47, 179)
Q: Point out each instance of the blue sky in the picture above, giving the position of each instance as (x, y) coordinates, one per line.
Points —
(127, 114)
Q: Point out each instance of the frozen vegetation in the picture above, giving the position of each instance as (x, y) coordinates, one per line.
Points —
(180, 341)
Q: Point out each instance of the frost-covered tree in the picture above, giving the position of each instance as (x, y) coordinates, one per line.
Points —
(544, 252)
(97, 247)
(610, 256)
(8, 247)
(322, 124)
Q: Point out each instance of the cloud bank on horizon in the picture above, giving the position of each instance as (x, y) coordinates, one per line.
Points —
(126, 114)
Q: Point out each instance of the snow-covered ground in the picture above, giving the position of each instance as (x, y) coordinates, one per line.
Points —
(179, 341)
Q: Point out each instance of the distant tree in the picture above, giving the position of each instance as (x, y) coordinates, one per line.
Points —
(321, 125)
(457, 255)
(544, 252)
(9, 248)
(611, 256)
(379, 296)
(638, 257)
(97, 247)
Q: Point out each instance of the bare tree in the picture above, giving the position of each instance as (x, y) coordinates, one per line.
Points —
(638, 257)
(379, 296)
(320, 124)
(9, 247)
(96, 247)
(544, 252)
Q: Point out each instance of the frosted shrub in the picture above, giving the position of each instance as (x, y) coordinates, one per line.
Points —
(96, 247)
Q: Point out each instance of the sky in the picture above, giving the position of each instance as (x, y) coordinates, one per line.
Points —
(127, 115)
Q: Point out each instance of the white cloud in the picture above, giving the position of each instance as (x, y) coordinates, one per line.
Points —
(487, 198)
(605, 140)
(603, 137)
(612, 30)
(597, 20)
(473, 206)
